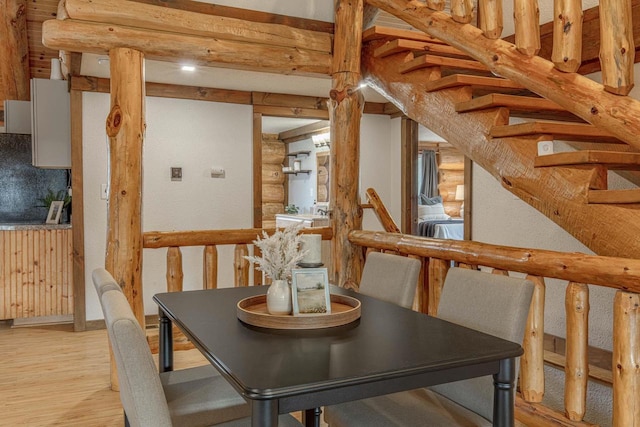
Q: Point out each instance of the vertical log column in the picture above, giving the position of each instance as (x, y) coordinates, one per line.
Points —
(626, 353)
(125, 128)
(527, 21)
(617, 49)
(577, 366)
(14, 50)
(567, 35)
(532, 361)
(345, 107)
(490, 18)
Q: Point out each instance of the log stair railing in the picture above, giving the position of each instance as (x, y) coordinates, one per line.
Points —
(577, 270)
(210, 241)
(483, 105)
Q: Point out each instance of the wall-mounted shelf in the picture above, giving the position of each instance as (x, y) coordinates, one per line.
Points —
(307, 171)
(298, 153)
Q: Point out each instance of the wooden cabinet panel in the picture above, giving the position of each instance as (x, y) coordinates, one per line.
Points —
(36, 277)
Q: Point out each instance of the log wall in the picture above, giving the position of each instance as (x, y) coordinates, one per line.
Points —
(273, 179)
(36, 274)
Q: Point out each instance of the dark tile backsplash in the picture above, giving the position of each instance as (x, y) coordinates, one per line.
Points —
(21, 184)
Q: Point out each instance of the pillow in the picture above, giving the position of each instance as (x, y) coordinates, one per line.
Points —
(434, 217)
(424, 200)
(437, 209)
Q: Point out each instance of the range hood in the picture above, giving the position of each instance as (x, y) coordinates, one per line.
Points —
(17, 117)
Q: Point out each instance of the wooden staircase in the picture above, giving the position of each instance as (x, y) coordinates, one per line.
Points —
(458, 98)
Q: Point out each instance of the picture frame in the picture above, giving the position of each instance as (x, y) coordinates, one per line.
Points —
(55, 211)
(310, 291)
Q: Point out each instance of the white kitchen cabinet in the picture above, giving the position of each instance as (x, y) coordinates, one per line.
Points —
(50, 124)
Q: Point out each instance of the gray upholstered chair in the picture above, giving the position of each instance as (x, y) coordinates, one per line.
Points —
(494, 304)
(190, 397)
(391, 278)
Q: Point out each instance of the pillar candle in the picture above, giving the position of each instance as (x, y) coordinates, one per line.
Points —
(312, 243)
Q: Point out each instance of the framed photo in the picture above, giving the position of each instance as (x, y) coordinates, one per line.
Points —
(55, 210)
(310, 291)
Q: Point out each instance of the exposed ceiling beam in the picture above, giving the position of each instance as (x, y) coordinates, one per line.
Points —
(304, 132)
(144, 16)
(246, 14)
(14, 50)
(75, 36)
(272, 104)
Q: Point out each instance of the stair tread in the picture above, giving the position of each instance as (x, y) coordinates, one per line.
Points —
(402, 45)
(480, 82)
(521, 103)
(387, 33)
(563, 131)
(425, 61)
(613, 196)
(616, 160)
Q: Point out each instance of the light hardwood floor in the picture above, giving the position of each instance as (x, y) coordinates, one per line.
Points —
(51, 376)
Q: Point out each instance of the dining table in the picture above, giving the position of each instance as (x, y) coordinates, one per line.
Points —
(388, 349)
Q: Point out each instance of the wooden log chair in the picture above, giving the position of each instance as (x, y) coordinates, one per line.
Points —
(192, 397)
(496, 305)
(391, 278)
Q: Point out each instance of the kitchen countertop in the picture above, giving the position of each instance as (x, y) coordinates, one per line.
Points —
(303, 216)
(12, 226)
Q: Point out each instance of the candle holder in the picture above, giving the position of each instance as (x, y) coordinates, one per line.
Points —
(311, 244)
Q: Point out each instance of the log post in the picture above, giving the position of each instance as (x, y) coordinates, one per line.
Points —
(526, 16)
(626, 353)
(241, 266)
(532, 361)
(617, 49)
(490, 18)
(14, 50)
(567, 35)
(345, 109)
(125, 128)
(577, 365)
(210, 267)
(462, 11)
(175, 276)
(438, 269)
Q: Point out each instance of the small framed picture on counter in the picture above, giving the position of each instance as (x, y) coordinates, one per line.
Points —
(55, 211)
(310, 291)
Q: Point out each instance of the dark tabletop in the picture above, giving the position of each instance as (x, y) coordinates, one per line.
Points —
(387, 343)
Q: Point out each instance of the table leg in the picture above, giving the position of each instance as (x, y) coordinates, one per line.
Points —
(311, 417)
(264, 413)
(503, 399)
(165, 343)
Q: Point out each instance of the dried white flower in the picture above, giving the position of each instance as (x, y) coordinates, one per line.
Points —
(280, 252)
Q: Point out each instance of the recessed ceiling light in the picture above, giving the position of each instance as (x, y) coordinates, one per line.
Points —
(188, 68)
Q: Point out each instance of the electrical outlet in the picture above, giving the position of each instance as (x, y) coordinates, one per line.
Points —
(104, 195)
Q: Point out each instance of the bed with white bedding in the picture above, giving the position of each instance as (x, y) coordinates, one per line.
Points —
(433, 222)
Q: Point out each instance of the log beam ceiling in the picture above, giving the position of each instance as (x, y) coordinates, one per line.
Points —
(274, 104)
(176, 35)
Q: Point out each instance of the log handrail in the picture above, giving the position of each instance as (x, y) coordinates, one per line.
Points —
(576, 268)
(210, 240)
(613, 272)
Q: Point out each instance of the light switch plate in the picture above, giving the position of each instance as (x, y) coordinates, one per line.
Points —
(176, 174)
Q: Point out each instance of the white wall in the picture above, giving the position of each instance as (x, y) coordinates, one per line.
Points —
(194, 135)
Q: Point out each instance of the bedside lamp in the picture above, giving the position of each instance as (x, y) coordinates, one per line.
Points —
(460, 197)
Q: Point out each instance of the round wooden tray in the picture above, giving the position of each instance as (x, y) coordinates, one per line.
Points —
(253, 310)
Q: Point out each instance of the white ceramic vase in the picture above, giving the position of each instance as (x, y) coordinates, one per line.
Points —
(279, 298)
